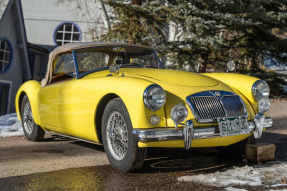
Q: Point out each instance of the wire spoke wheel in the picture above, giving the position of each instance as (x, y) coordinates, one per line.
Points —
(117, 135)
(32, 131)
(121, 149)
(28, 118)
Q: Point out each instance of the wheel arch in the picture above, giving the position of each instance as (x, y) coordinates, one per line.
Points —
(22, 94)
(100, 111)
(31, 89)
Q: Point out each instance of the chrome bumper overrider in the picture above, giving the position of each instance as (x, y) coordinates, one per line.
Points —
(188, 133)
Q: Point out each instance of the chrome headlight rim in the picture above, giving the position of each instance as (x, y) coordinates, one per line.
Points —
(263, 100)
(176, 107)
(258, 97)
(145, 97)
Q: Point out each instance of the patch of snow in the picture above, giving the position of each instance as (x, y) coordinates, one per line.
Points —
(271, 173)
(234, 189)
(276, 185)
(278, 190)
(10, 125)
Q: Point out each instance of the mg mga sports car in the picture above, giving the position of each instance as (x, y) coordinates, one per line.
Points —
(122, 96)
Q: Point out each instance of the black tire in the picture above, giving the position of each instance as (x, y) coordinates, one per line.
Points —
(32, 131)
(236, 149)
(134, 156)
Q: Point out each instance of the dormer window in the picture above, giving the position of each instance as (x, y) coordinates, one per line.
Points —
(67, 32)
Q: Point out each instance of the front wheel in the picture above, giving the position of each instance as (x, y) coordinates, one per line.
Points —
(122, 151)
(32, 131)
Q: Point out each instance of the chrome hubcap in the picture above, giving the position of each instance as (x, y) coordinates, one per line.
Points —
(117, 135)
(28, 119)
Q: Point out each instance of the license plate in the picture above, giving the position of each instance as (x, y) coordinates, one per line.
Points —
(233, 126)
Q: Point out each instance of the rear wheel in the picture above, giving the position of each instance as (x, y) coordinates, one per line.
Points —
(122, 151)
(236, 149)
(32, 131)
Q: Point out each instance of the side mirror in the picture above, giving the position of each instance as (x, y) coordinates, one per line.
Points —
(230, 66)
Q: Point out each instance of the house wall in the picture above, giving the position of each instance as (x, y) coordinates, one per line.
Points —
(14, 74)
(40, 64)
(43, 16)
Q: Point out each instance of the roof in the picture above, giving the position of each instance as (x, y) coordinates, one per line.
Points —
(38, 48)
(3, 5)
(81, 45)
(16, 8)
(76, 46)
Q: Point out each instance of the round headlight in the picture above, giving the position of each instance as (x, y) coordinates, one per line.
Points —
(263, 105)
(154, 119)
(154, 97)
(260, 89)
(179, 113)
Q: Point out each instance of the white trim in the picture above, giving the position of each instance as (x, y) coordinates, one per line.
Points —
(10, 92)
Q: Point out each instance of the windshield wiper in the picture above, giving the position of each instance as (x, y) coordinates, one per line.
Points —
(151, 66)
(135, 64)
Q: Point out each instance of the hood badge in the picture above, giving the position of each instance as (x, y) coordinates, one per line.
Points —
(218, 94)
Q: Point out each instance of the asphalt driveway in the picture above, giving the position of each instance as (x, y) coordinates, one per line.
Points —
(84, 166)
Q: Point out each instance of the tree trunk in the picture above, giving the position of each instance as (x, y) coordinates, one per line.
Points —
(136, 2)
(104, 15)
(204, 62)
(171, 31)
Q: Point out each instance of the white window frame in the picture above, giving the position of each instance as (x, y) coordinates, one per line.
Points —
(2, 69)
(62, 41)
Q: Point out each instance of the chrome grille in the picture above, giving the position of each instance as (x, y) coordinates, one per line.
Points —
(233, 105)
(207, 106)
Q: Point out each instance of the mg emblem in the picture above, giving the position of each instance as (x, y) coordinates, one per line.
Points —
(218, 94)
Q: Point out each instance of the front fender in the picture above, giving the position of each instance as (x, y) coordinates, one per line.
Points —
(131, 90)
(31, 89)
(242, 83)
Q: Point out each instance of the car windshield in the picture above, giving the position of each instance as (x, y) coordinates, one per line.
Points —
(96, 58)
(93, 59)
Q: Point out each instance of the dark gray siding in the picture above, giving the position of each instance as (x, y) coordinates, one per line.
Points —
(14, 73)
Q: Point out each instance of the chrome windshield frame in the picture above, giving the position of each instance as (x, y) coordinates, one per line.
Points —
(76, 64)
(79, 76)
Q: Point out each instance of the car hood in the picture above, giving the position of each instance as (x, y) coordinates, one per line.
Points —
(172, 76)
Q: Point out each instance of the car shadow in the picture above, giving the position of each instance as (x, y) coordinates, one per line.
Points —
(97, 147)
(51, 137)
(161, 160)
(58, 138)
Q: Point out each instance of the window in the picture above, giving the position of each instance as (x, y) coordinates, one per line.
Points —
(65, 65)
(91, 60)
(5, 54)
(67, 32)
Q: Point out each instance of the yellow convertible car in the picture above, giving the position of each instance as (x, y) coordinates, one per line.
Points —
(121, 95)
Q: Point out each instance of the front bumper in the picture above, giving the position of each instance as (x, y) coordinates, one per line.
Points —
(167, 134)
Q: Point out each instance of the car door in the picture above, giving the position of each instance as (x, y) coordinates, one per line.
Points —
(50, 100)
(51, 97)
(81, 96)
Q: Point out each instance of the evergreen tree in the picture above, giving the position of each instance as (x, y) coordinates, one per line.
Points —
(214, 31)
(136, 22)
(209, 31)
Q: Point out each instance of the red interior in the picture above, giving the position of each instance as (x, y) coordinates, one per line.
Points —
(60, 78)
